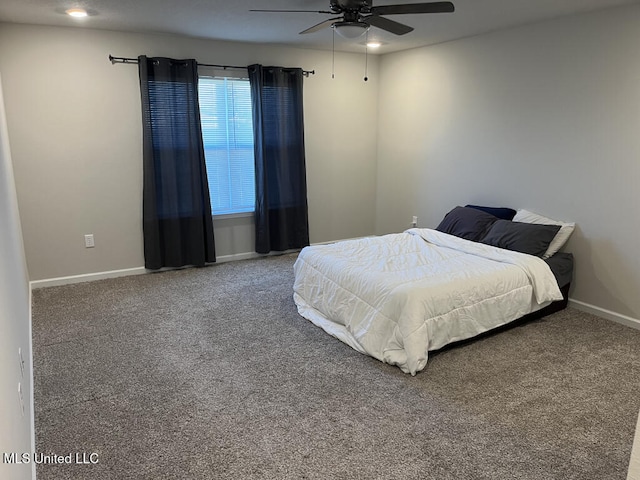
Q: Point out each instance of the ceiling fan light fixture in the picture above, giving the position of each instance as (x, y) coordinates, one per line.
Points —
(350, 30)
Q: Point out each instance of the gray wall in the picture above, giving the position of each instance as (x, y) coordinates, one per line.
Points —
(75, 128)
(15, 322)
(544, 117)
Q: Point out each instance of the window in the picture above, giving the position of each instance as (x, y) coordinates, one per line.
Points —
(227, 133)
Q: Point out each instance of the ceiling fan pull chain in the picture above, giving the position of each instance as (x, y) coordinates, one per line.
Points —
(333, 53)
(366, 54)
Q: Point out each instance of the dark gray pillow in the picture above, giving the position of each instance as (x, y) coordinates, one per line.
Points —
(468, 223)
(530, 238)
(504, 213)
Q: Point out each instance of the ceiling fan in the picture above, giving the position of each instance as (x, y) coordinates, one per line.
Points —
(359, 15)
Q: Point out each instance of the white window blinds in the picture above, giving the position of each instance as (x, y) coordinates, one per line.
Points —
(227, 133)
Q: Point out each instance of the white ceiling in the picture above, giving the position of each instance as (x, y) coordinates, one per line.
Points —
(231, 19)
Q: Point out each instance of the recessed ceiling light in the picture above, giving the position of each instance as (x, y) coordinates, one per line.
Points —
(76, 12)
(373, 44)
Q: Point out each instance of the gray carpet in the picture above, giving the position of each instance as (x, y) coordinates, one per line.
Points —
(211, 374)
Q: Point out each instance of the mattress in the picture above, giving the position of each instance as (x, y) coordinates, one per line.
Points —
(398, 296)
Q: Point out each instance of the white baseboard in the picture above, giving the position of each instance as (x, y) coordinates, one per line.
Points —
(237, 256)
(32, 403)
(604, 313)
(86, 277)
(90, 277)
(329, 242)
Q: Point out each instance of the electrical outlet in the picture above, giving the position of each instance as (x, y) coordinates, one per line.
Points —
(414, 223)
(21, 398)
(88, 241)
(21, 360)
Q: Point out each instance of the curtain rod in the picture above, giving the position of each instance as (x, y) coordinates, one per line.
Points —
(115, 60)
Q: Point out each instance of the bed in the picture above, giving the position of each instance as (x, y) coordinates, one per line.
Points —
(396, 297)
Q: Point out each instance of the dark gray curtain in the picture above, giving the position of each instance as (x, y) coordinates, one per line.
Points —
(281, 186)
(177, 222)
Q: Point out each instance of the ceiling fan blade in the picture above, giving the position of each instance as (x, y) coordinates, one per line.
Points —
(388, 25)
(321, 25)
(293, 11)
(432, 7)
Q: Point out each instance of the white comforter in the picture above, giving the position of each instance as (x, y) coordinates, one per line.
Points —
(398, 296)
